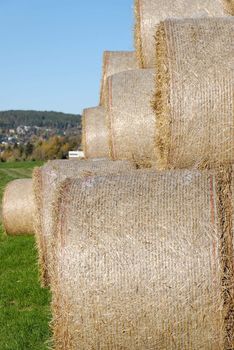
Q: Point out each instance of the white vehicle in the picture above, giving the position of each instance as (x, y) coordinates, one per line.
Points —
(76, 154)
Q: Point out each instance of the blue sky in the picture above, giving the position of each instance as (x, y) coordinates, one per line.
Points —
(51, 50)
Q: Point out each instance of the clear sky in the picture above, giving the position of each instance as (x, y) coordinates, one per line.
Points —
(51, 50)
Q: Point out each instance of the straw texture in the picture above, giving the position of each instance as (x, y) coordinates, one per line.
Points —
(142, 262)
(18, 208)
(46, 180)
(95, 136)
(194, 92)
(115, 62)
(131, 118)
(149, 13)
(229, 6)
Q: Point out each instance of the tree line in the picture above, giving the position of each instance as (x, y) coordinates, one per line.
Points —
(56, 147)
(14, 118)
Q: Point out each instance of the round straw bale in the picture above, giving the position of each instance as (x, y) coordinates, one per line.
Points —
(144, 261)
(194, 92)
(95, 135)
(46, 180)
(115, 62)
(18, 208)
(130, 115)
(149, 13)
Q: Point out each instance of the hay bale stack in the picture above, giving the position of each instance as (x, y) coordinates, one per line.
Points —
(95, 135)
(18, 208)
(131, 119)
(194, 92)
(144, 261)
(115, 62)
(149, 13)
(46, 180)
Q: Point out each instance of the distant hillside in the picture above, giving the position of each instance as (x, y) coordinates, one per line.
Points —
(15, 118)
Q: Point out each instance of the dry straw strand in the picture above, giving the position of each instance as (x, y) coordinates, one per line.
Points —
(161, 102)
(225, 213)
(115, 62)
(138, 34)
(194, 92)
(60, 320)
(18, 209)
(108, 98)
(95, 133)
(38, 225)
(46, 181)
(103, 80)
(149, 13)
(142, 261)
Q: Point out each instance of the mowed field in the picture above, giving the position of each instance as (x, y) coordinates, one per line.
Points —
(24, 306)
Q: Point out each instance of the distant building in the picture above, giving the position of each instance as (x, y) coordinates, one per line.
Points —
(20, 130)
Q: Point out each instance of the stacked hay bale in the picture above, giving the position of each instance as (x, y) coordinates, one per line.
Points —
(18, 208)
(140, 259)
(131, 120)
(194, 92)
(95, 135)
(128, 95)
(149, 13)
(194, 88)
(144, 261)
(115, 62)
(46, 181)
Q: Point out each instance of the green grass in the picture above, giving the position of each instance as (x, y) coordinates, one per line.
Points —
(24, 306)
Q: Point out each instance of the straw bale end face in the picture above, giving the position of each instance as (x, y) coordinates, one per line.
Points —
(18, 209)
(95, 135)
(131, 120)
(194, 92)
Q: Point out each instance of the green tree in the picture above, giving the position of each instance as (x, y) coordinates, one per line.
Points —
(28, 149)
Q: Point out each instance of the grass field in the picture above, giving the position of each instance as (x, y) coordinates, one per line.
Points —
(24, 306)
